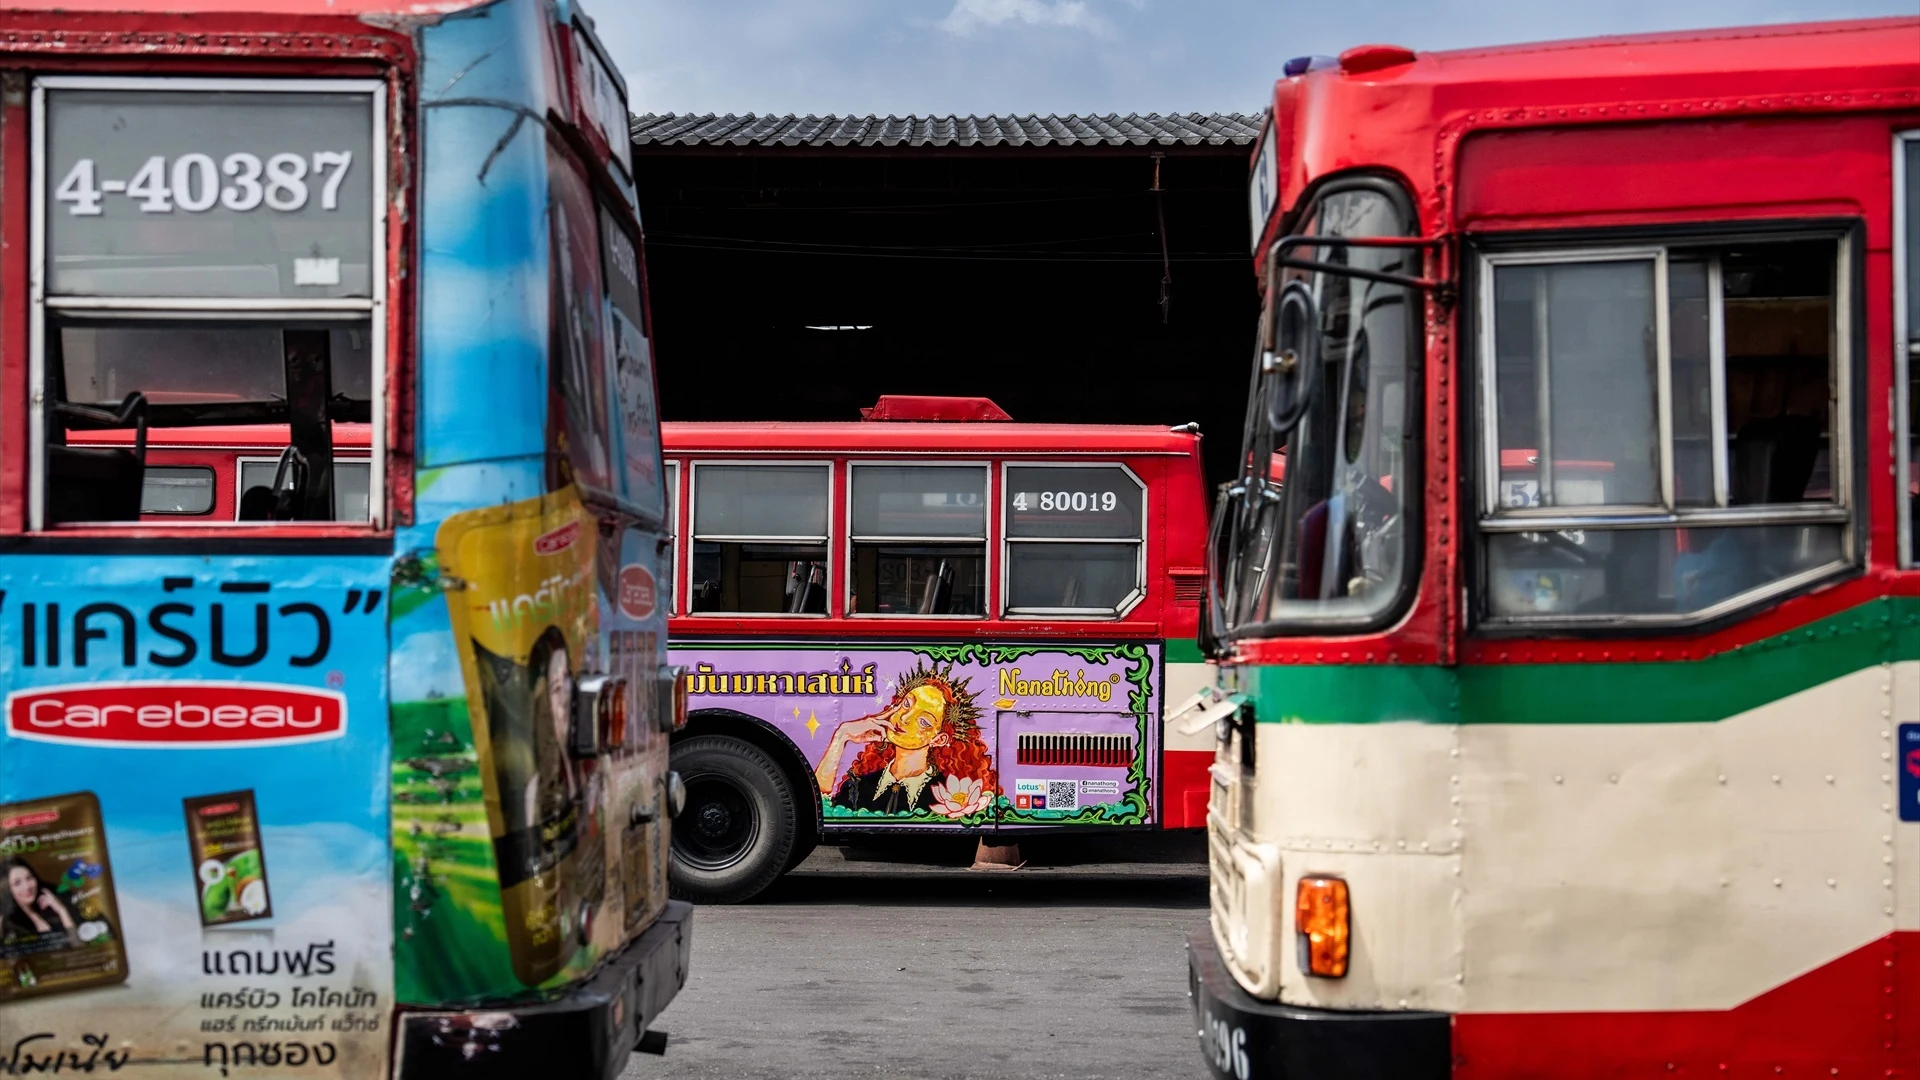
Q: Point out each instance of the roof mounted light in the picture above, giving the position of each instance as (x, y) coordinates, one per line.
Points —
(932, 408)
(1362, 59)
(1300, 65)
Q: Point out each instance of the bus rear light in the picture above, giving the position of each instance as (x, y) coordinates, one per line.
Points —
(1320, 923)
(671, 700)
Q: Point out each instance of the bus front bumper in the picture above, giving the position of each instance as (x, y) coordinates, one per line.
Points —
(587, 1032)
(1242, 1038)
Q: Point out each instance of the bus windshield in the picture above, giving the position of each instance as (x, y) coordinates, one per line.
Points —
(1322, 538)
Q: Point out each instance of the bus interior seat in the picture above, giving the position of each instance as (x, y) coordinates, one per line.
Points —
(937, 597)
(277, 501)
(808, 592)
(95, 483)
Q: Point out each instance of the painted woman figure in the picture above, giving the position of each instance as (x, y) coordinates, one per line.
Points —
(33, 910)
(922, 752)
(553, 789)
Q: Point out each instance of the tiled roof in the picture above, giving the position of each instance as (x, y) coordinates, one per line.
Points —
(1190, 129)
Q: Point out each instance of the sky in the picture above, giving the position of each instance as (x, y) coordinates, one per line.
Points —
(900, 57)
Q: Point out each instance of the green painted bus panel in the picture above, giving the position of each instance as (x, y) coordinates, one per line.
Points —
(1184, 651)
(1598, 692)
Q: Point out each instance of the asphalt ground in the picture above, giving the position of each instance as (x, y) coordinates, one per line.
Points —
(882, 962)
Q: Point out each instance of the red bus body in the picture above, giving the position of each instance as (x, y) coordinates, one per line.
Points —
(1156, 623)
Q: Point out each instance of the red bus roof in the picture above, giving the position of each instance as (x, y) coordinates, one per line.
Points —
(1395, 116)
(263, 7)
(869, 437)
(266, 438)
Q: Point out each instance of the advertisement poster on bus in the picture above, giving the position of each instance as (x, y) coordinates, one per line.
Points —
(953, 736)
(525, 830)
(193, 818)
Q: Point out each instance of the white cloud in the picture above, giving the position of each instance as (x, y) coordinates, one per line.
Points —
(968, 16)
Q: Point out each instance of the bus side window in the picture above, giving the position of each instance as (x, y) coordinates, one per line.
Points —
(759, 539)
(919, 539)
(1750, 471)
(1075, 539)
(636, 434)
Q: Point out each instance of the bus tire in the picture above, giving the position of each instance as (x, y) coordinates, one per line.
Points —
(739, 825)
(803, 846)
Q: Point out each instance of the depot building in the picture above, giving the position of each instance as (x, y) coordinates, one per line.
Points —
(1074, 269)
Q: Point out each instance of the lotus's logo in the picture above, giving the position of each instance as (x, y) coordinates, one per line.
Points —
(176, 714)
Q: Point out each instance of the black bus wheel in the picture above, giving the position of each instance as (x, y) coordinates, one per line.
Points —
(738, 828)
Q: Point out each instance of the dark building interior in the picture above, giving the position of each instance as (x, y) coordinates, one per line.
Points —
(1087, 270)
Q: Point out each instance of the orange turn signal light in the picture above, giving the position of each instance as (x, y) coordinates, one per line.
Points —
(1321, 923)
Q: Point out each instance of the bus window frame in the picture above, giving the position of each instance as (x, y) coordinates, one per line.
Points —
(694, 537)
(375, 308)
(241, 461)
(985, 539)
(670, 531)
(1906, 343)
(1426, 292)
(1480, 481)
(1115, 613)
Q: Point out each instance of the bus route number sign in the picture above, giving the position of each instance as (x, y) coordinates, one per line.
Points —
(208, 192)
(1909, 756)
(1077, 502)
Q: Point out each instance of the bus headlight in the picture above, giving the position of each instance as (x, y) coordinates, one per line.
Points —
(1321, 919)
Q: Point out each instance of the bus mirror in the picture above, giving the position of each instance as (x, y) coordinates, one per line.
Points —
(1290, 369)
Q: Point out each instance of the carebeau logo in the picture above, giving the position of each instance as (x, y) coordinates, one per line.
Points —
(166, 715)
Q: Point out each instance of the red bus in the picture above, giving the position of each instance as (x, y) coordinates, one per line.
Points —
(929, 620)
(202, 475)
(1572, 689)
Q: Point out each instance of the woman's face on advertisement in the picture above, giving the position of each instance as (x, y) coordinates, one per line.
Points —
(21, 884)
(559, 691)
(919, 720)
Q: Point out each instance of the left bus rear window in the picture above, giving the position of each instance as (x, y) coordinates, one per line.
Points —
(213, 254)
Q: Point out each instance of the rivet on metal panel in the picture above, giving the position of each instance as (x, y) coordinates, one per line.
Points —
(1829, 778)
(1776, 883)
(1776, 778)
(1832, 884)
(1614, 778)
(1558, 779)
(1723, 778)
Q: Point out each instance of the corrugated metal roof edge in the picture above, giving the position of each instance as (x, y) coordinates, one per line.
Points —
(760, 130)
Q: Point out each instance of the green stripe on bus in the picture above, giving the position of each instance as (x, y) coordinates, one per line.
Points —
(1695, 691)
(1184, 651)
